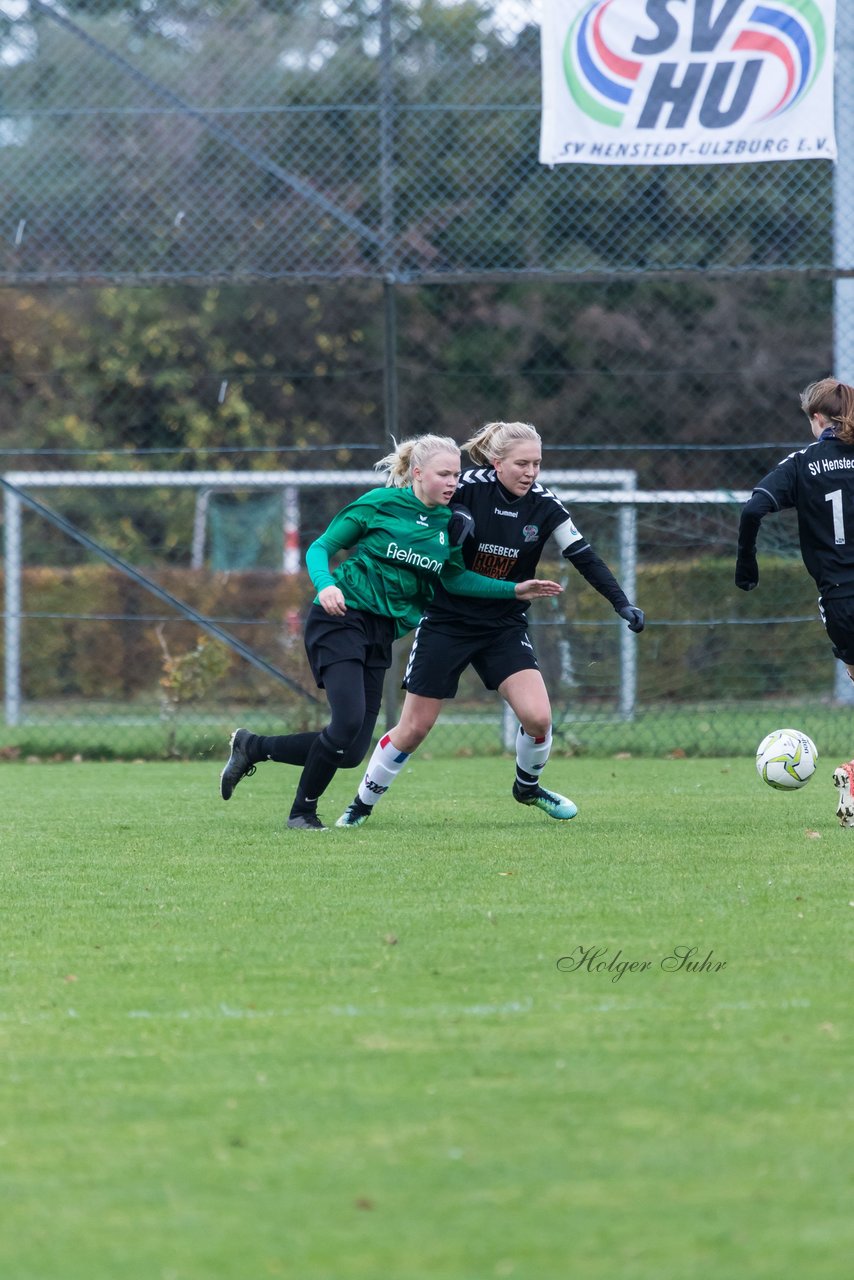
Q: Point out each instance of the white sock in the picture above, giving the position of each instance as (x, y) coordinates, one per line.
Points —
(383, 767)
(532, 756)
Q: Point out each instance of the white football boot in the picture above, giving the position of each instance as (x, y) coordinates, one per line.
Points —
(843, 780)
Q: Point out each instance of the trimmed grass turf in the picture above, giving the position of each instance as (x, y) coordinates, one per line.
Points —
(235, 1051)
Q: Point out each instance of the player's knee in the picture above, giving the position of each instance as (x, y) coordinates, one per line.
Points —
(344, 737)
(359, 744)
(537, 726)
(410, 733)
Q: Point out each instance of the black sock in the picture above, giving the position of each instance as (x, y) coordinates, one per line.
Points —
(284, 748)
(324, 761)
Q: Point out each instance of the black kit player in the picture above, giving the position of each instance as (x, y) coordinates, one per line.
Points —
(818, 482)
(512, 518)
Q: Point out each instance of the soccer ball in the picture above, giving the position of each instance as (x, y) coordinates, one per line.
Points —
(786, 759)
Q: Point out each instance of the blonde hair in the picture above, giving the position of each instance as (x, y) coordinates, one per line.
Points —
(494, 441)
(412, 453)
(835, 400)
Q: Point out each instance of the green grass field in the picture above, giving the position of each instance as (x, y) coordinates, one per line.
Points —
(233, 1052)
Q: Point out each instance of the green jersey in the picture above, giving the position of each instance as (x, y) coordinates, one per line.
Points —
(402, 547)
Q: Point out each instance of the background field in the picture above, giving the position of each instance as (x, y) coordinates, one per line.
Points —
(232, 1051)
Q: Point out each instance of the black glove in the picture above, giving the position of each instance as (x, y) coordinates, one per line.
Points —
(633, 616)
(746, 571)
(460, 525)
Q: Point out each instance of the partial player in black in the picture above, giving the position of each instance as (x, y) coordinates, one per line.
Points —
(510, 517)
(818, 482)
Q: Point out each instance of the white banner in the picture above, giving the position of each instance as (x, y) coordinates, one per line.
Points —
(687, 81)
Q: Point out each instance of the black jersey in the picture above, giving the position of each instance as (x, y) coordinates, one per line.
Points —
(818, 482)
(508, 540)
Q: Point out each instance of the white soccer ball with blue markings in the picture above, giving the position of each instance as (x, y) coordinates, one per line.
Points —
(786, 759)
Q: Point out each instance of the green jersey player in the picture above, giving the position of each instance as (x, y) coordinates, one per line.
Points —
(403, 541)
(402, 548)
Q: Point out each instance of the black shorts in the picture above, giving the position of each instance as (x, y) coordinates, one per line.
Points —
(438, 658)
(357, 636)
(838, 619)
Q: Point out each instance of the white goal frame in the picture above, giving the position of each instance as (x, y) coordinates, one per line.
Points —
(569, 484)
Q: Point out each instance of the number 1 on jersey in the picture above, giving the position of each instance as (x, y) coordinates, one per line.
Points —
(838, 523)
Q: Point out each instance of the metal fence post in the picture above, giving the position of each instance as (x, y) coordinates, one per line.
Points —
(387, 216)
(843, 242)
(12, 504)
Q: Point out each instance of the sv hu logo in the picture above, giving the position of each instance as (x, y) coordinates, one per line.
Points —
(662, 63)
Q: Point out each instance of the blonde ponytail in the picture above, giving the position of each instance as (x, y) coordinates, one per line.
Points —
(495, 440)
(412, 453)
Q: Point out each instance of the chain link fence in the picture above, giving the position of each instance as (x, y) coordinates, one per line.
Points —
(291, 140)
(264, 236)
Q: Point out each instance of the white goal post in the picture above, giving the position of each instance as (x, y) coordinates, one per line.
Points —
(614, 485)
